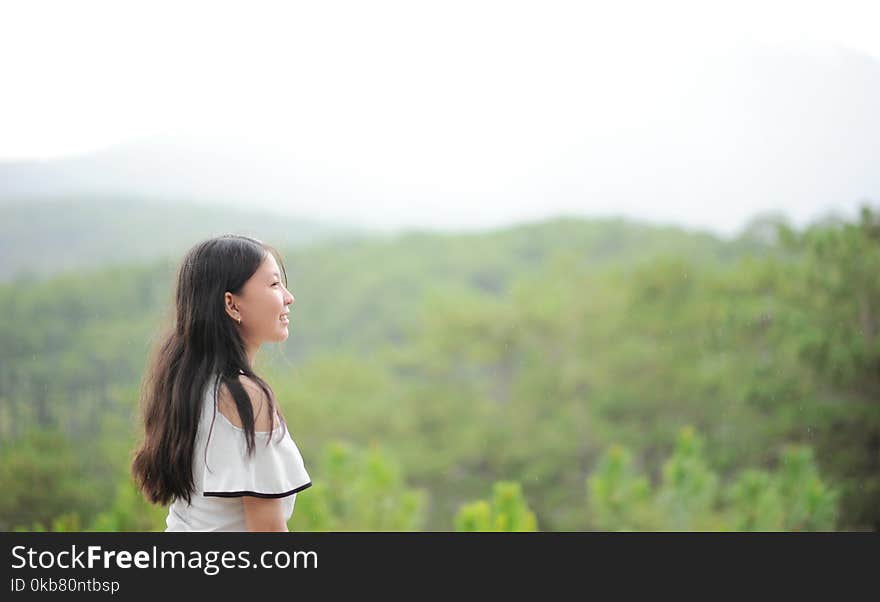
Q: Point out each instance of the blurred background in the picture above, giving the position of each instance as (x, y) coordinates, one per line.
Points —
(558, 266)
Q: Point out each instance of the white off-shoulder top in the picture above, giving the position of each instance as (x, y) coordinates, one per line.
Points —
(223, 473)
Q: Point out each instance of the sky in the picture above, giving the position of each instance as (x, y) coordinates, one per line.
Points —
(80, 76)
(469, 114)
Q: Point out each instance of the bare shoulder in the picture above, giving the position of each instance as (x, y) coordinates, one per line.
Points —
(259, 403)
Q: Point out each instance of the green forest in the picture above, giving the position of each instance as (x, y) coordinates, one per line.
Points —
(565, 375)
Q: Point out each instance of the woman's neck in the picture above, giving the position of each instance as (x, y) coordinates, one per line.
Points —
(251, 358)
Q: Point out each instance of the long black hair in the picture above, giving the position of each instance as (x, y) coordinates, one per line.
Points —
(203, 343)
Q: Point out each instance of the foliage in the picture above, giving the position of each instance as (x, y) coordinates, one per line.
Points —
(42, 480)
(130, 511)
(529, 351)
(689, 489)
(691, 496)
(507, 511)
(357, 490)
(619, 498)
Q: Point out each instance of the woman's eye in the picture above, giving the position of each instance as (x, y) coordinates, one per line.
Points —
(274, 283)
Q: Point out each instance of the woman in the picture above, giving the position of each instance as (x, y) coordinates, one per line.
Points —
(212, 446)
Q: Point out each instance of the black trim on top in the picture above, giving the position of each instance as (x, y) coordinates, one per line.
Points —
(255, 494)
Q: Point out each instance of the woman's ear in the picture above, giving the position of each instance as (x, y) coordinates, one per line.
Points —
(231, 307)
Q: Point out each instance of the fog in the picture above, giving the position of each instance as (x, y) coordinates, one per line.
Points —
(452, 115)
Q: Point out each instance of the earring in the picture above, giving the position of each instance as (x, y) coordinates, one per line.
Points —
(239, 320)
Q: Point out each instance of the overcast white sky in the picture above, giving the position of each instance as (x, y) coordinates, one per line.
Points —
(83, 75)
(460, 114)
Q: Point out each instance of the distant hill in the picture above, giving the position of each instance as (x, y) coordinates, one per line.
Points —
(42, 237)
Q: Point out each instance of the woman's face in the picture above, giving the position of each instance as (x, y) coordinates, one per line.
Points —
(262, 306)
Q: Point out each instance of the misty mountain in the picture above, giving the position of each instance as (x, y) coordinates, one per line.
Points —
(44, 237)
(704, 143)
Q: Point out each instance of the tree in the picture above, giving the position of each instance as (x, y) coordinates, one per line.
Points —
(42, 478)
(130, 511)
(833, 321)
(619, 498)
(691, 496)
(690, 488)
(809, 504)
(357, 490)
(507, 511)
